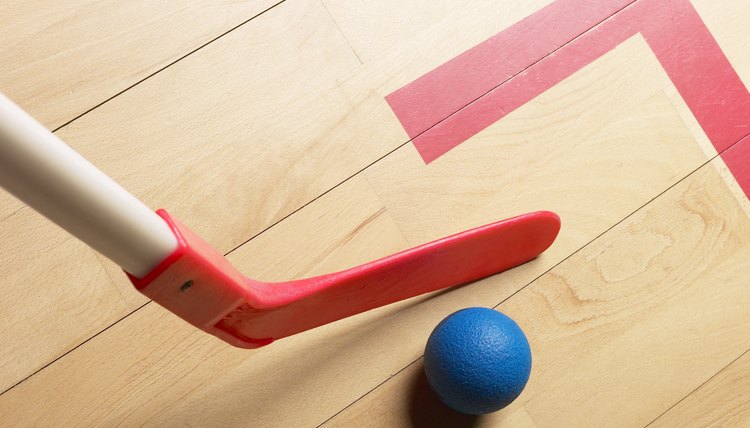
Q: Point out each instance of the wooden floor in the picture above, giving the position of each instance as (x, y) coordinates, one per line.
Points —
(265, 127)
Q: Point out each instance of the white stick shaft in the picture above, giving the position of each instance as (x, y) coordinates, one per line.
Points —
(45, 173)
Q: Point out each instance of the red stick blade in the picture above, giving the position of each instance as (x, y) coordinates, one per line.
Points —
(295, 306)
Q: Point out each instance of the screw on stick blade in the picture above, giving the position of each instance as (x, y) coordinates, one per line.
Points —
(250, 313)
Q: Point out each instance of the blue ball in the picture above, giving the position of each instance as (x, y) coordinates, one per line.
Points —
(477, 361)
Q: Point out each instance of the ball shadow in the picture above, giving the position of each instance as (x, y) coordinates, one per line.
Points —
(426, 409)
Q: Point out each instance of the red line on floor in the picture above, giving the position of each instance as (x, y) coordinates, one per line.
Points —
(446, 106)
(443, 91)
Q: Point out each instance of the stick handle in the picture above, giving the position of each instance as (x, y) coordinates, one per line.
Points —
(49, 176)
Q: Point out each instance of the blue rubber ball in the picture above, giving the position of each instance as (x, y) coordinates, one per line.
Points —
(477, 361)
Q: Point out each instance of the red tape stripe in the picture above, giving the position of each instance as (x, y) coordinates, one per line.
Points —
(443, 91)
(450, 104)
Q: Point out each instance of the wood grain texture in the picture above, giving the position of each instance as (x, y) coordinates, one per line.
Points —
(61, 58)
(253, 127)
(159, 371)
(399, 64)
(407, 400)
(727, 22)
(374, 27)
(228, 156)
(657, 306)
(630, 324)
(202, 147)
(722, 401)
(52, 284)
(601, 120)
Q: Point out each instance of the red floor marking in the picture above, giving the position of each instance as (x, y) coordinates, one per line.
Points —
(453, 85)
(673, 29)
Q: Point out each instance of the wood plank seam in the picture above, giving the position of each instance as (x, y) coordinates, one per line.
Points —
(59, 357)
(418, 117)
(179, 59)
(293, 212)
(572, 254)
(698, 387)
(381, 383)
(75, 345)
(706, 80)
(319, 196)
(311, 201)
(708, 161)
(423, 129)
(368, 392)
(322, 3)
(226, 254)
(118, 290)
(682, 179)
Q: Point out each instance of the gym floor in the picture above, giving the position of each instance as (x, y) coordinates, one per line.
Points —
(306, 136)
